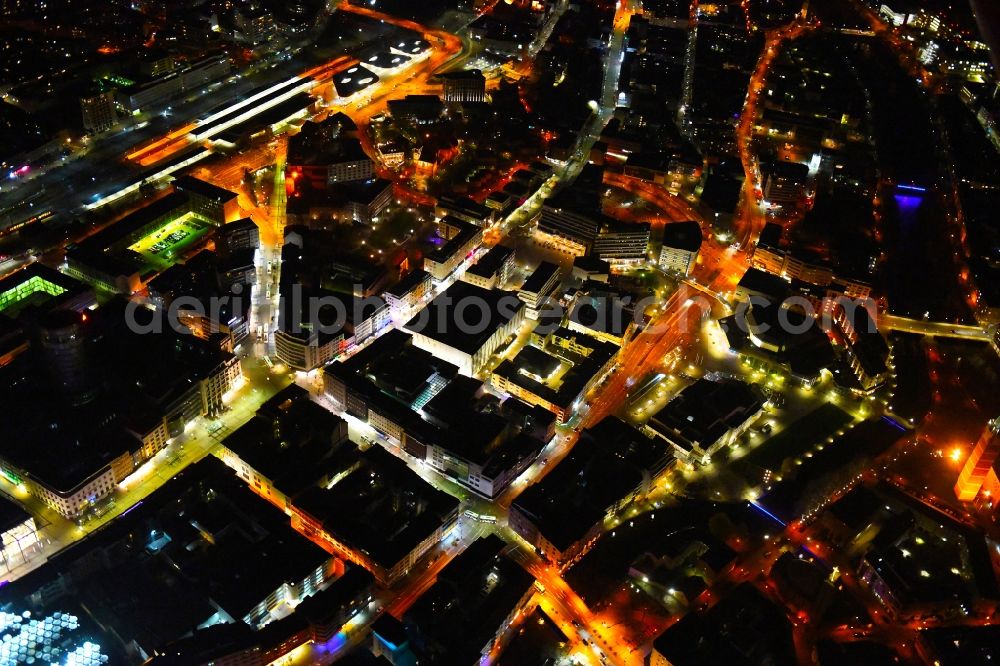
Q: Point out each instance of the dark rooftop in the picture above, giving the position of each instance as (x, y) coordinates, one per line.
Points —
(682, 236)
(491, 262)
(379, 507)
(757, 281)
(608, 462)
(705, 411)
(290, 441)
(439, 322)
(204, 189)
(459, 615)
(743, 628)
(539, 277)
(133, 222)
(11, 514)
(354, 80)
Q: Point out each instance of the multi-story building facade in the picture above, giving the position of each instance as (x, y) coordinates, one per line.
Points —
(463, 239)
(468, 85)
(488, 318)
(539, 288)
(681, 244)
(493, 269)
(99, 113)
(409, 293)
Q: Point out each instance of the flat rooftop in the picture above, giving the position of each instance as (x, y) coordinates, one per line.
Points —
(203, 189)
(482, 312)
(34, 284)
(682, 236)
(175, 202)
(12, 514)
(705, 411)
(556, 375)
(63, 444)
(491, 262)
(379, 507)
(608, 462)
(539, 277)
(464, 609)
(290, 440)
(323, 143)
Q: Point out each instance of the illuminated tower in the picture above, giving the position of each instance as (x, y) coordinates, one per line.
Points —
(980, 462)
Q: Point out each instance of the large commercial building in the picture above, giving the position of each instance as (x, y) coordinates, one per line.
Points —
(493, 269)
(233, 237)
(98, 111)
(201, 293)
(466, 324)
(611, 465)
(539, 288)
(436, 415)
(706, 416)
(377, 513)
(315, 325)
(95, 397)
(284, 445)
(328, 152)
(19, 541)
(867, 350)
(118, 257)
(579, 234)
(361, 201)
(785, 184)
(209, 201)
(200, 571)
(409, 293)
(470, 612)
(622, 243)
(567, 230)
(161, 89)
(603, 313)
(465, 209)
(770, 255)
(417, 109)
(467, 85)
(556, 374)
(681, 244)
(462, 239)
(38, 287)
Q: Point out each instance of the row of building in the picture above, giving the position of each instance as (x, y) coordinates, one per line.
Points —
(106, 260)
(96, 393)
(424, 406)
(100, 110)
(581, 234)
(806, 330)
(366, 506)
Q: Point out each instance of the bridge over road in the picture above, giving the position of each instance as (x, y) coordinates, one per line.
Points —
(934, 328)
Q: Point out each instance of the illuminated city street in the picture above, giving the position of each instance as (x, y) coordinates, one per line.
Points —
(536, 332)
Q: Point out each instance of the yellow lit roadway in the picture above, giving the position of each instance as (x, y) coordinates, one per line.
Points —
(751, 221)
(667, 329)
(200, 438)
(932, 328)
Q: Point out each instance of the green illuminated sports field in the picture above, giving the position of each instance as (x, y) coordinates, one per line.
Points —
(163, 247)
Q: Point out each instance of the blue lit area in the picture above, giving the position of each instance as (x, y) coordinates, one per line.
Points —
(907, 203)
(768, 513)
(54, 639)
